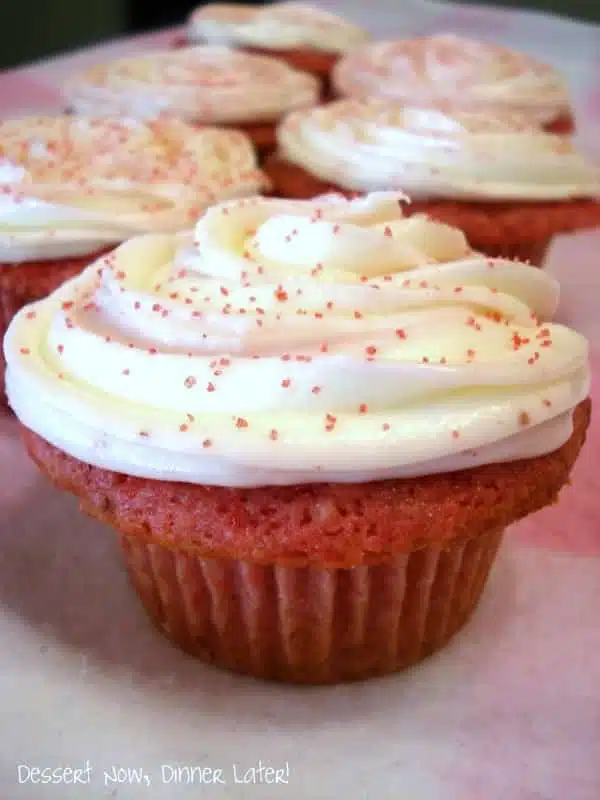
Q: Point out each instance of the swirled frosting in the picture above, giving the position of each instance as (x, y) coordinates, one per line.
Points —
(431, 153)
(448, 68)
(74, 185)
(296, 342)
(201, 84)
(280, 26)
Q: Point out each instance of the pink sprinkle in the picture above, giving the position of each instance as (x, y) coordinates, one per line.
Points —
(273, 434)
(286, 383)
(207, 443)
(241, 423)
(455, 434)
(25, 351)
(385, 426)
(183, 428)
(316, 389)
(190, 382)
(210, 387)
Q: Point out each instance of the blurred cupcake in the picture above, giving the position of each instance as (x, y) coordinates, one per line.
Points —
(73, 187)
(305, 38)
(203, 85)
(508, 185)
(309, 428)
(468, 75)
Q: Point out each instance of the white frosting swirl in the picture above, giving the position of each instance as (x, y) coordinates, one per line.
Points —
(379, 144)
(74, 185)
(201, 84)
(448, 68)
(294, 342)
(281, 26)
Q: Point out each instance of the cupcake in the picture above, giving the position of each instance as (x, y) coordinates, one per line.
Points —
(203, 85)
(73, 187)
(309, 426)
(305, 38)
(508, 185)
(468, 75)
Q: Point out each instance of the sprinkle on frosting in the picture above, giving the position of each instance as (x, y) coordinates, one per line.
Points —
(74, 185)
(451, 69)
(204, 84)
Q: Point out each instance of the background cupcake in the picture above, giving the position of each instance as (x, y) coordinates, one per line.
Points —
(508, 185)
(309, 428)
(203, 85)
(306, 38)
(459, 72)
(73, 187)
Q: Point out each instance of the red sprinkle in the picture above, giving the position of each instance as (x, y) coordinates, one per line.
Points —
(363, 408)
(25, 351)
(183, 428)
(524, 418)
(241, 422)
(371, 350)
(207, 443)
(455, 434)
(210, 387)
(385, 426)
(401, 333)
(286, 383)
(61, 348)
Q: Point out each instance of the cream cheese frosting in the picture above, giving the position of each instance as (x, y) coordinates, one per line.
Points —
(70, 186)
(449, 68)
(203, 84)
(298, 342)
(431, 153)
(280, 26)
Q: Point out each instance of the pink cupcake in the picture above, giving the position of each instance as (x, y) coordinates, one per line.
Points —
(72, 188)
(202, 85)
(304, 37)
(462, 73)
(309, 428)
(510, 186)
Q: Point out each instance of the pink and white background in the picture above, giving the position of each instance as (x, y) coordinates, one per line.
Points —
(509, 711)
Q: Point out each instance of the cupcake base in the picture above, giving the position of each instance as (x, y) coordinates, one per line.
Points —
(309, 625)
(21, 284)
(320, 583)
(522, 231)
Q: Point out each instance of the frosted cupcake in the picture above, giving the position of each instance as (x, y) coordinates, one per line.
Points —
(203, 85)
(71, 188)
(305, 38)
(466, 74)
(508, 185)
(346, 410)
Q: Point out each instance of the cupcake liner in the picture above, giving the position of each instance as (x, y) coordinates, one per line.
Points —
(309, 624)
(21, 284)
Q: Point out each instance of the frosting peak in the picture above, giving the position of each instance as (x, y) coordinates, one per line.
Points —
(73, 185)
(381, 144)
(277, 26)
(201, 84)
(449, 68)
(294, 342)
